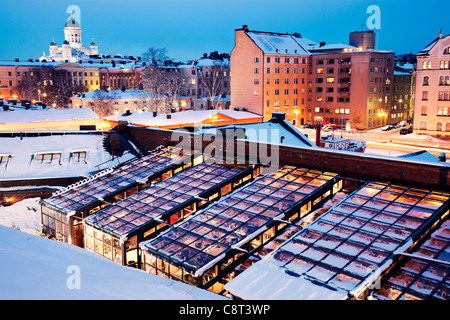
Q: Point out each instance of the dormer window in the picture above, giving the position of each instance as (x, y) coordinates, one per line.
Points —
(47, 158)
(4, 159)
(78, 156)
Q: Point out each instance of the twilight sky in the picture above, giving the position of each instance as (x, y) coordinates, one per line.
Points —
(188, 28)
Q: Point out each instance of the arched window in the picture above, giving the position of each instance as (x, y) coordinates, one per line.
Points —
(447, 50)
(423, 125)
(439, 126)
(447, 127)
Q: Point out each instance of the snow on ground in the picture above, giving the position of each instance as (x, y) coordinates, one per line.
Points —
(24, 215)
(33, 267)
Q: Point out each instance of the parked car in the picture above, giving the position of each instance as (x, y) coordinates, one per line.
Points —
(387, 128)
(406, 130)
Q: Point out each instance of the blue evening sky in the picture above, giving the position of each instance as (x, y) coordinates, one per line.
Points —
(188, 28)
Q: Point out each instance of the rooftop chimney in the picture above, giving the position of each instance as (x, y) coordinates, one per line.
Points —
(277, 117)
(362, 39)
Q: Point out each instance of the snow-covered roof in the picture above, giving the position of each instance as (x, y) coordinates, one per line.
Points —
(270, 42)
(276, 132)
(430, 46)
(40, 269)
(20, 165)
(216, 98)
(265, 281)
(344, 251)
(46, 115)
(27, 63)
(190, 117)
(422, 156)
(117, 94)
(333, 46)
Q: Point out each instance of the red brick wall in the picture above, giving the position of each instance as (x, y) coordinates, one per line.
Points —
(352, 165)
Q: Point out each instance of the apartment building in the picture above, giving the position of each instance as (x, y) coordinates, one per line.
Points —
(206, 80)
(432, 93)
(403, 94)
(342, 84)
(270, 73)
(352, 87)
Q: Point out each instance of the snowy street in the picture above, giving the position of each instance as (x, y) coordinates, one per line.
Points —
(390, 142)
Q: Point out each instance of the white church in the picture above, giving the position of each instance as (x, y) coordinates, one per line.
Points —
(72, 49)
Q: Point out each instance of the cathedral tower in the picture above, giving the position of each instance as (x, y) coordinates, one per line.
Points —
(72, 33)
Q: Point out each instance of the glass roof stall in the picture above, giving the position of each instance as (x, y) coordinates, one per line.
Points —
(63, 212)
(115, 232)
(349, 248)
(425, 273)
(203, 248)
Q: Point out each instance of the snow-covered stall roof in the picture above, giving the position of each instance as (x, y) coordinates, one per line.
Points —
(344, 251)
(240, 217)
(161, 200)
(110, 182)
(36, 268)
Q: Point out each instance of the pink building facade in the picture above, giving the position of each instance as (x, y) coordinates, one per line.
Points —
(432, 96)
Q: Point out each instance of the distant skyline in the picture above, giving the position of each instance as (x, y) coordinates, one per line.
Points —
(187, 29)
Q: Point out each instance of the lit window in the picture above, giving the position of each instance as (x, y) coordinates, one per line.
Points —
(319, 70)
(330, 80)
(193, 81)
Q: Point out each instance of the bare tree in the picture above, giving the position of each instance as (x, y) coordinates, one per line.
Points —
(174, 86)
(154, 81)
(104, 102)
(56, 84)
(156, 56)
(213, 83)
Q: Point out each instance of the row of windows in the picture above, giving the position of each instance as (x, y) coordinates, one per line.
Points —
(443, 64)
(443, 80)
(423, 125)
(55, 157)
(282, 60)
(277, 70)
(331, 99)
(442, 96)
(277, 81)
(74, 74)
(276, 103)
(332, 110)
(441, 111)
